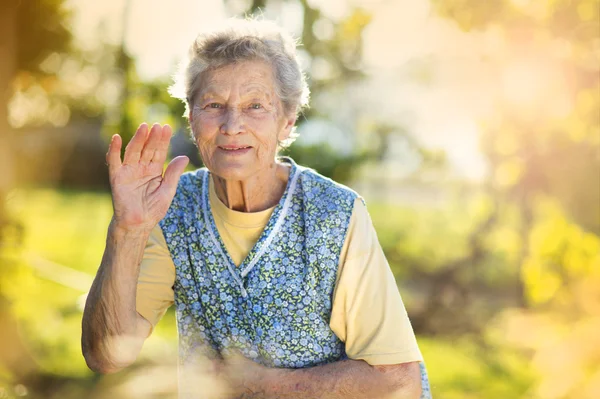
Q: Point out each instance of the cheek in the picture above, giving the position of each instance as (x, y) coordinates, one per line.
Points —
(267, 138)
(205, 135)
(205, 127)
(265, 131)
(205, 148)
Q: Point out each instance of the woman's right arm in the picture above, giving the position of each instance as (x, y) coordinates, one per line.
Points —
(112, 331)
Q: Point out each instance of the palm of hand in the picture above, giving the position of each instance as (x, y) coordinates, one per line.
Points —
(141, 194)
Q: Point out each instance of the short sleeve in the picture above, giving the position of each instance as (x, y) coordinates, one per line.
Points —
(154, 292)
(368, 314)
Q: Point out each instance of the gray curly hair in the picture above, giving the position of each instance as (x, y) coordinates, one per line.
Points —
(241, 40)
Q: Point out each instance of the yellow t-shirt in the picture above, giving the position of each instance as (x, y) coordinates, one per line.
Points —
(368, 314)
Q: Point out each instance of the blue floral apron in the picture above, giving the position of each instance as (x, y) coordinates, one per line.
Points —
(276, 306)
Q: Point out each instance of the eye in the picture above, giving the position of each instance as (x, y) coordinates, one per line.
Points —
(256, 106)
(214, 106)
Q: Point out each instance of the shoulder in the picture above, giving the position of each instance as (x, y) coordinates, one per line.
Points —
(318, 187)
(361, 219)
(361, 239)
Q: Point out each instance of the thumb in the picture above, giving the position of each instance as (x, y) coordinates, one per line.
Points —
(173, 172)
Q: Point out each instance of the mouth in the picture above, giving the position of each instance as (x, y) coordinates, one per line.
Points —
(235, 149)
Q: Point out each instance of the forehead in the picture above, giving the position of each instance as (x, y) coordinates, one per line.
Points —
(246, 76)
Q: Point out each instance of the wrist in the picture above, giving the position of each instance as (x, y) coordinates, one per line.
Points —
(122, 231)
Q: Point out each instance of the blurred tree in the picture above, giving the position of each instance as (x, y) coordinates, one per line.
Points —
(543, 148)
(533, 150)
(525, 141)
(29, 32)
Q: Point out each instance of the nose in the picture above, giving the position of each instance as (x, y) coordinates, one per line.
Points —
(232, 122)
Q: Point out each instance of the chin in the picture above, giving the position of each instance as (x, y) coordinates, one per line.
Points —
(232, 172)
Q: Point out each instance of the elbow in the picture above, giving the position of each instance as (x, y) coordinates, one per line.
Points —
(410, 388)
(413, 390)
(109, 344)
(99, 367)
(411, 383)
(103, 359)
(404, 380)
(106, 364)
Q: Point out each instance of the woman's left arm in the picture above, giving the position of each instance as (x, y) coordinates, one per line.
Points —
(344, 379)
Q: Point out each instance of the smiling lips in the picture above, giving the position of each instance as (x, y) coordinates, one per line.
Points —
(235, 149)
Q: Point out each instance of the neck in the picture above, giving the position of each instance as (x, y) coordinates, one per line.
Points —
(257, 193)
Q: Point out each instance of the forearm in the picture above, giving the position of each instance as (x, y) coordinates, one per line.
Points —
(112, 332)
(347, 379)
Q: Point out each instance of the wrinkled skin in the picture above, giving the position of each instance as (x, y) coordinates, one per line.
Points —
(237, 106)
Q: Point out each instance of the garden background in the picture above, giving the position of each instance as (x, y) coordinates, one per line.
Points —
(472, 129)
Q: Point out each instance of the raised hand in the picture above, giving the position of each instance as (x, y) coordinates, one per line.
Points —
(141, 194)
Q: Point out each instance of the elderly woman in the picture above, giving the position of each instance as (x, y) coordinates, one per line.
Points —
(275, 271)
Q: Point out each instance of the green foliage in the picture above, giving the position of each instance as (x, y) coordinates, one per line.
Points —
(68, 229)
(501, 280)
(326, 160)
(422, 238)
(41, 29)
(460, 369)
(545, 182)
(46, 278)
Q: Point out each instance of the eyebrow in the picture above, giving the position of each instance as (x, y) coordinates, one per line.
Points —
(255, 87)
(207, 94)
(249, 93)
(249, 89)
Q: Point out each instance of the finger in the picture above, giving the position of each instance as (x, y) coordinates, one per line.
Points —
(152, 143)
(173, 172)
(113, 156)
(135, 146)
(160, 154)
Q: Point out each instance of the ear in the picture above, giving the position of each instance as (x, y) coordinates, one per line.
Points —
(285, 132)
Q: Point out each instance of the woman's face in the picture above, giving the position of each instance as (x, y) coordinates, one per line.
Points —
(237, 119)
